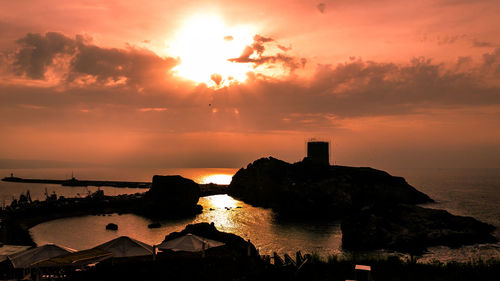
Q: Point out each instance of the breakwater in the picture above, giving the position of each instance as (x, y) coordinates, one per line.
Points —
(75, 182)
(205, 189)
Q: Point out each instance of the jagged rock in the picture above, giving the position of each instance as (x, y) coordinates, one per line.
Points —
(154, 225)
(111, 226)
(410, 229)
(171, 196)
(308, 189)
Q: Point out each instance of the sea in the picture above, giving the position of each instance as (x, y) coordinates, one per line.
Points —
(465, 192)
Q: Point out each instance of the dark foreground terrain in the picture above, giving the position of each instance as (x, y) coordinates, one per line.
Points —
(239, 260)
(214, 267)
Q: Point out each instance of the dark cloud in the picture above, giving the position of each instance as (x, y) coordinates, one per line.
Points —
(321, 7)
(262, 39)
(255, 54)
(463, 63)
(183, 126)
(480, 44)
(135, 65)
(131, 65)
(259, 41)
(360, 88)
(38, 52)
(464, 2)
(449, 39)
(284, 49)
(351, 89)
(257, 47)
(491, 62)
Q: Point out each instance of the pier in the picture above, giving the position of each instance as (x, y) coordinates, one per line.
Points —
(75, 182)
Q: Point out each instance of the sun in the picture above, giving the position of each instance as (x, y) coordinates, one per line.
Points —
(204, 46)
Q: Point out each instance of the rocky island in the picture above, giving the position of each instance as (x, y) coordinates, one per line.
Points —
(378, 211)
(171, 196)
(309, 189)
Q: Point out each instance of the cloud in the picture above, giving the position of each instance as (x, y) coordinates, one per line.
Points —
(137, 66)
(480, 44)
(87, 63)
(255, 54)
(491, 62)
(366, 88)
(153, 109)
(449, 39)
(31, 106)
(352, 89)
(284, 49)
(217, 78)
(321, 7)
(38, 52)
(79, 62)
(171, 124)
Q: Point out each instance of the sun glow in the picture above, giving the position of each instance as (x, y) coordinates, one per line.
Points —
(204, 45)
(217, 179)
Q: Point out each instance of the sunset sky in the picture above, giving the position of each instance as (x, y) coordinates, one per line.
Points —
(221, 83)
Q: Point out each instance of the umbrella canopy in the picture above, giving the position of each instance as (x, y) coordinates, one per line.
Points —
(76, 259)
(29, 257)
(9, 250)
(126, 247)
(189, 243)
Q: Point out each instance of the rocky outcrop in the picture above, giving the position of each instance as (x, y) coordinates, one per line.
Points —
(308, 189)
(377, 210)
(234, 244)
(410, 229)
(171, 196)
(111, 226)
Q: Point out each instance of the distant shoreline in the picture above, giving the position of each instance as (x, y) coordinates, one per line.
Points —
(206, 189)
(75, 182)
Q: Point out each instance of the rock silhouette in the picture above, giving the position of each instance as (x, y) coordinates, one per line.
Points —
(309, 189)
(377, 210)
(111, 226)
(234, 244)
(411, 229)
(171, 195)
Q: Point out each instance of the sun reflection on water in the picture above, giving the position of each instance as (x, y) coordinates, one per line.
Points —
(222, 210)
(221, 202)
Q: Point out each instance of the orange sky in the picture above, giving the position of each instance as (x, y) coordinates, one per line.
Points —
(390, 83)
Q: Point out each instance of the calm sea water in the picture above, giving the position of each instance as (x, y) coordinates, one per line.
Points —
(465, 192)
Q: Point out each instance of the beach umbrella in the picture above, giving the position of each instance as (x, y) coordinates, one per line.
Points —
(125, 246)
(76, 259)
(189, 243)
(29, 257)
(10, 250)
